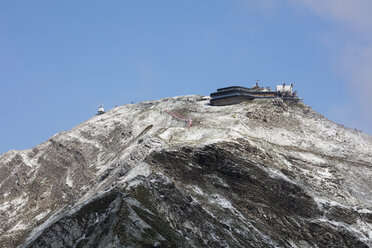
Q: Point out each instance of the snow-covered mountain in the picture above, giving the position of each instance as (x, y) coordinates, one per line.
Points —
(258, 174)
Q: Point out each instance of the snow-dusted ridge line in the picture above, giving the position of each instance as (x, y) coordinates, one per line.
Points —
(288, 142)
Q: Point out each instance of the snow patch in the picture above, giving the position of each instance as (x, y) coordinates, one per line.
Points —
(8, 156)
(223, 202)
(42, 215)
(324, 173)
(4, 206)
(83, 140)
(69, 180)
(134, 183)
(17, 201)
(19, 226)
(362, 211)
(26, 160)
(142, 169)
(195, 189)
(309, 157)
(277, 174)
(321, 202)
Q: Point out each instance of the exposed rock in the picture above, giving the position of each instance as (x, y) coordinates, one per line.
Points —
(136, 177)
(278, 102)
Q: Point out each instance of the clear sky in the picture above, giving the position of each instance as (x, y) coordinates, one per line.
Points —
(59, 59)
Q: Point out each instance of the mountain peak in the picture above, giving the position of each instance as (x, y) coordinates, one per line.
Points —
(180, 172)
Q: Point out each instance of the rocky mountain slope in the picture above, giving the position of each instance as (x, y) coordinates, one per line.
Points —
(258, 174)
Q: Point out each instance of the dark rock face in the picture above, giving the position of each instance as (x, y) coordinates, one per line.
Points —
(210, 197)
(111, 220)
(90, 223)
(278, 209)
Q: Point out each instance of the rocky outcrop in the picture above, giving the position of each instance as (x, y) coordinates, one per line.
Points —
(280, 176)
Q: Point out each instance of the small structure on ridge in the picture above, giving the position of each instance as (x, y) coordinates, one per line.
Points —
(101, 110)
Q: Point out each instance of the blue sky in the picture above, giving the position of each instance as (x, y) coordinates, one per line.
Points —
(59, 59)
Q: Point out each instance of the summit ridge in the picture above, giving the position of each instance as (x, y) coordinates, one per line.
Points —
(262, 173)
